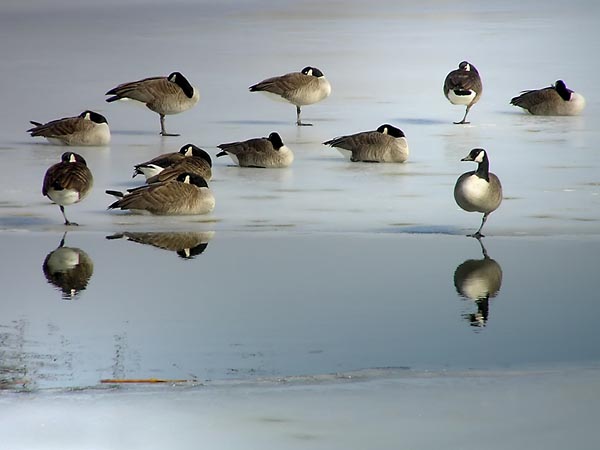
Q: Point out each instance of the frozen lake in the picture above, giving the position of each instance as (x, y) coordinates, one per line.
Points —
(319, 292)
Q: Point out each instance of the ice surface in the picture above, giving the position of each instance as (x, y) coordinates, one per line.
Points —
(344, 267)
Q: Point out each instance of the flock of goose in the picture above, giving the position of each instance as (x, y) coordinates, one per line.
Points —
(176, 183)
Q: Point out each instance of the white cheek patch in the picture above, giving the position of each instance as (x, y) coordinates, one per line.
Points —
(385, 130)
(188, 151)
(468, 67)
(72, 158)
(480, 156)
(309, 73)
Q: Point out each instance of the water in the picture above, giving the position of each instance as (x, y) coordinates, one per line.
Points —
(327, 279)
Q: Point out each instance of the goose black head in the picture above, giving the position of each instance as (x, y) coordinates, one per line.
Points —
(275, 140)
(93, 116)
(391, 130)
(191, 178)
(70, 157)
(312, 71)
(192, 150)
(182, 82)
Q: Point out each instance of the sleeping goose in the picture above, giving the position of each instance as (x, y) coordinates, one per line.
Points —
(163, 95)
(197, 162)
(188, 194)
(298, 88)
(386, 144)
(555, 100)
(88, 128)
(463, 86)
(68, 182)
(157, 164)
(268, 152)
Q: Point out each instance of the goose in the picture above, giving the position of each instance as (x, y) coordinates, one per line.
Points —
(479, 190)
(269, 152)
(198, 162)
(157, 164)
(463, 86)
(478, 280)
(88, 128)
(188, 194)
(163, 95)
(386, 144)
(68, 182)
(187, 244)
(554, 100)
(69, 269)
(298, 88)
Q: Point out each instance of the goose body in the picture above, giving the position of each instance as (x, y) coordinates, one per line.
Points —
(68, 182)
(298, 88)
(69, 269)
(463, 86)
(163, 95)
(156, 165)
(197, 162)
(479, 190)
(555, 100)
(87, 129)
(188, 194)
(386, 144)
(268, 152)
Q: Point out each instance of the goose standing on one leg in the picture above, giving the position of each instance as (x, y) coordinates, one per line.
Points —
(555, 100)
(478, 190)
(463, 87)
(163, 95)
(68, 182)
(298, 88)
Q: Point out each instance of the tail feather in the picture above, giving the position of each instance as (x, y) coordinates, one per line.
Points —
(117, 194)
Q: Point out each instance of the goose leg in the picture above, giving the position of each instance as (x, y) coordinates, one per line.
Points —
(463, 121)
(163, 132)
(298, 121)
(478, 234)
(62, 210)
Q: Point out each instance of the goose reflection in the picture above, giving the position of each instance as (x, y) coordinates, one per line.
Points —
(478, 280)
(69, 269)
(187, 245)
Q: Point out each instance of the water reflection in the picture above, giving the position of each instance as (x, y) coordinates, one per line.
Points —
(69, 269)
(187, 245)
(478, 280)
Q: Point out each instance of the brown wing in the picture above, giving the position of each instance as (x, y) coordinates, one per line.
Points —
(463, 80)
(190, 164)
(74, 176)
(258, 145)
(534, 97)
(356, 141)
(284, 84)
(143, 90)
(155, 198)
(61, 127)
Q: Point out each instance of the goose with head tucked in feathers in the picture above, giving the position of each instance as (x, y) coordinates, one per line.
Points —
(188, 194)
(479, 190)
(463, 86)
(68, 182)
(88, 128)
(157, 164)
(197, 162)
(387, 144)
(555, 100)
(298, 88)
(163, 95)
(269, 152)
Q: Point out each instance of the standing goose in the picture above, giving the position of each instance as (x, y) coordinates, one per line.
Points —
(68, 182)
(386, 144)
(268, 152)
(188, 194)
(463, 87)
(197, 162)
(555, 100)
(479, 190)
(88, 128)
(298, 88)
(163, 95)
(155, 165)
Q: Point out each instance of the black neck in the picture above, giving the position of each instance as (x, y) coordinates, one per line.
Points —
(483, 169)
